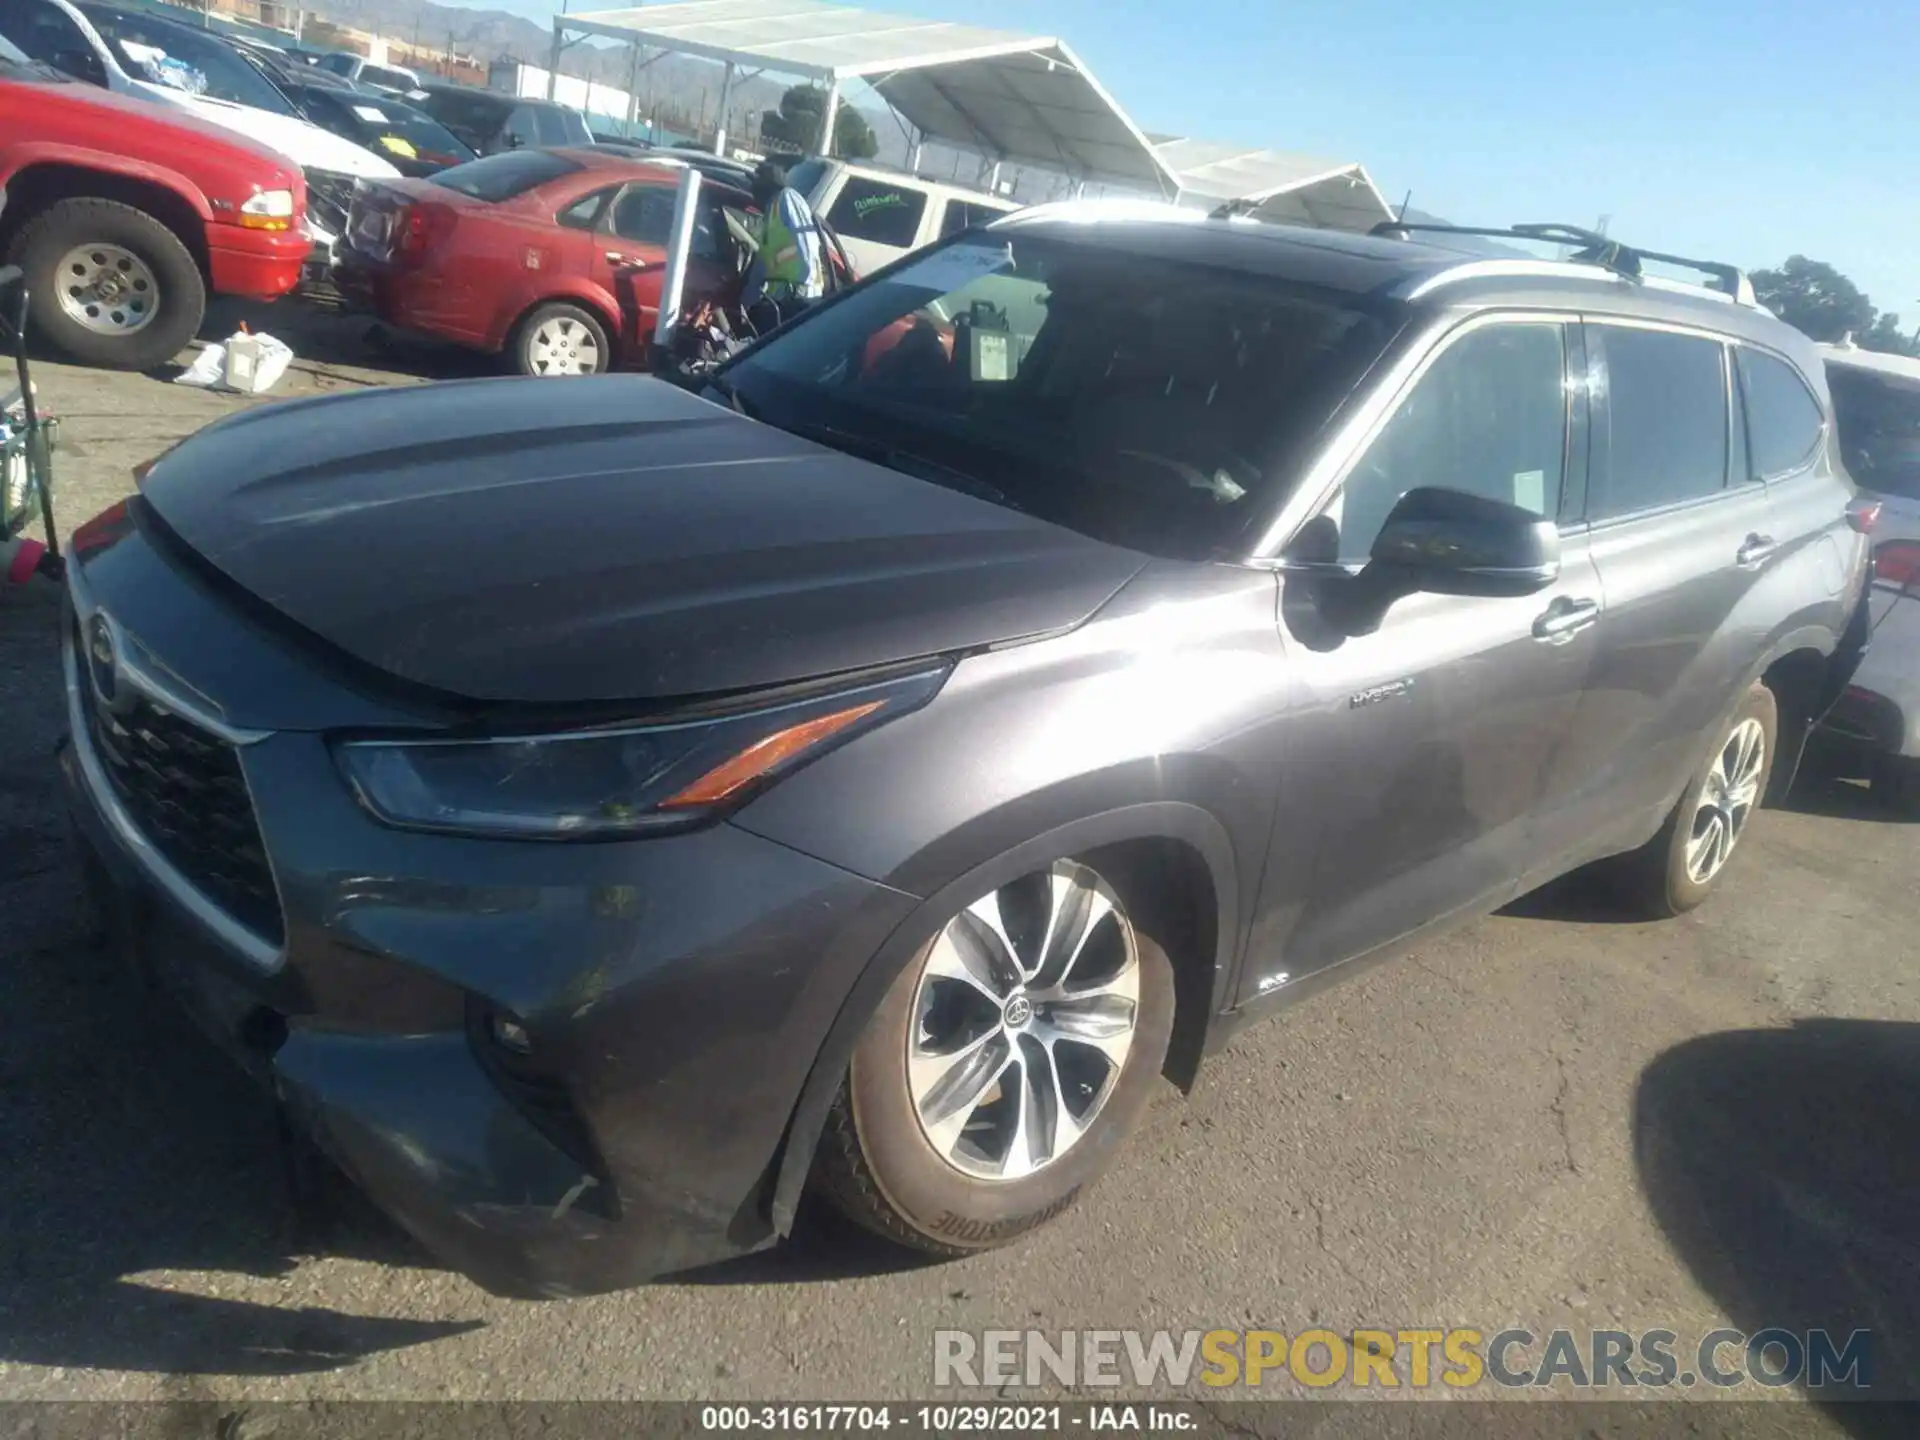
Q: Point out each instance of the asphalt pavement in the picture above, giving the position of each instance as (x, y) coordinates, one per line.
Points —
(1548, 1119)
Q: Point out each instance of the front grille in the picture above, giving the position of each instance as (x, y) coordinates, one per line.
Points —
(329, 199)
(183, 787)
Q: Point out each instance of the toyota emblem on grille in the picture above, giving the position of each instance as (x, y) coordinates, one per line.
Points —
(103, 660)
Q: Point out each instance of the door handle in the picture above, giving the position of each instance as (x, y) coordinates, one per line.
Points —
(1565, 618)
(1757, 550)
(614, 257)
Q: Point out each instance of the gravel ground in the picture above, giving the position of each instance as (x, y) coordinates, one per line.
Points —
(1547, 1119)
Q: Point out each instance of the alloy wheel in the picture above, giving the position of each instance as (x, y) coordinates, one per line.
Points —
(562, 346)
(107, 289)
(1726, 800)
(1023, 1020)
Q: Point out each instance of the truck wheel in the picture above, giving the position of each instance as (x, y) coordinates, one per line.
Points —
(1678, 868)
(561, 339)
(1002, 1069)
(110, 285)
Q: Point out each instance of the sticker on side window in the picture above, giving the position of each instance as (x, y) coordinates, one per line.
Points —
(947, 270)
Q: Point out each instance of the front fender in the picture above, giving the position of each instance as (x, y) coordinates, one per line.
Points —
(24, 156)
(1150, 820)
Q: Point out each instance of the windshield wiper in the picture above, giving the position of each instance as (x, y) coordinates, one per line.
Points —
(907, 462)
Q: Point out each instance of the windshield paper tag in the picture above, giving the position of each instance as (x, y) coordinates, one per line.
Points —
(370, 115)
(955, 266)
(1530, 491)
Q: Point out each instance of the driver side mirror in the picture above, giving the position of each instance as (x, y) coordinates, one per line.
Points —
(1447, 542)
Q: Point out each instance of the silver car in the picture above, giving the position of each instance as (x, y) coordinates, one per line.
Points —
(1876, 404)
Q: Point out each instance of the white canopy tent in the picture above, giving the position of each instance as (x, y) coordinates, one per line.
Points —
(1013, 98)
(1287, 189)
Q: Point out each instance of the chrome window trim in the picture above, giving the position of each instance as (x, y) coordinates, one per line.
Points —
(250, 946)
(1336, 461)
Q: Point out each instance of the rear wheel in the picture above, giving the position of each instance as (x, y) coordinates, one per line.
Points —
(1002, 1069)
(561, 339)
(1678, 868)
(1896, 784)
(109, 284)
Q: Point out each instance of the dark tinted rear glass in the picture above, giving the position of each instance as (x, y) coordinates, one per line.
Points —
(877, 210)
(474, 116)
(1878, 417)
(1667, 398)
(1783, 418)
(503, 176)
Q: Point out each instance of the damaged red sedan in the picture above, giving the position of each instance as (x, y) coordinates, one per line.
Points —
(552, 258)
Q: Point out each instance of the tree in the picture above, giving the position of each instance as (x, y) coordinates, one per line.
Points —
(1814, 298)
(1887, 337)
(797, 125)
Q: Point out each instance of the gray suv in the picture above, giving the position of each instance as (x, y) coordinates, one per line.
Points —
(602, 812)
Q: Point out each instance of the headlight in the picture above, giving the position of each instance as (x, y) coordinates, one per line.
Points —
(267, 210)
(611, 783)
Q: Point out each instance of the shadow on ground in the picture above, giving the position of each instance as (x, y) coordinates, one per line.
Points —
(1784, 1167)
(130, 1145)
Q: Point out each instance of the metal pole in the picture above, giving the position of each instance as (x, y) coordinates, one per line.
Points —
(553, 56)
(633, 86)
(686, 202)
(720, 124)
(829, 116)
(913, 152)
(993, 178)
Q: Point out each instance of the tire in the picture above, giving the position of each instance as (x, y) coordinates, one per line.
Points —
(548, 328)
(1896, 784)
(1670, 875)
(132, 259)
(880, 1162)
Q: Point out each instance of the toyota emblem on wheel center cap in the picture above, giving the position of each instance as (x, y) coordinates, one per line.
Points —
(1018, 1012)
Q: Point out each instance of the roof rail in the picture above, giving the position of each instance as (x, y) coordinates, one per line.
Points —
(1594, 249)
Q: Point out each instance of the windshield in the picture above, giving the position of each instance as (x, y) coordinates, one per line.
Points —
(385, 126)
(183, 59)
(15, 65)
(1157, 404)
(1879, 420)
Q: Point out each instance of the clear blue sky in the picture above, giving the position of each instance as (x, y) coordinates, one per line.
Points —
(1725, 130)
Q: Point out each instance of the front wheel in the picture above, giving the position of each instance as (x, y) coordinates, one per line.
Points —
(1002, 1069)
(1678, 868)
(109, 285)
(561, 339)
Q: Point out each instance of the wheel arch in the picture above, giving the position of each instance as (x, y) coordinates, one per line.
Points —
(174, 203)
(1798, 670)
(1155, 853)
(582, 295)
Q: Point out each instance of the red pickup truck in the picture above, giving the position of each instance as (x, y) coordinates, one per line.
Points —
(125, 215)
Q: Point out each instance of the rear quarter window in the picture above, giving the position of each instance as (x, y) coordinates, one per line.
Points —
(880, 211)
(1784, 423)
(503, 176)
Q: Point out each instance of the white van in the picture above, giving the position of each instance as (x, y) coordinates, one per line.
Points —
(881, 214)
(362, 71)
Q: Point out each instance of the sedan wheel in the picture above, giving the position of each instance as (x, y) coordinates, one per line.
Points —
(561, 340)
(1003, 1067)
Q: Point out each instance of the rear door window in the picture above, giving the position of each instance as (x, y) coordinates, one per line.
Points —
(963, 215)
(1666, 413)
(550, 125)
(880, 211)
(644, 215)
(1784, 423)
(1488, 418)
(520, 129)
(45, 33)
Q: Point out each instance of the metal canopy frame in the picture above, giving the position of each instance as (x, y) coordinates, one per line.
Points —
(1289, 189)
(1011, 97)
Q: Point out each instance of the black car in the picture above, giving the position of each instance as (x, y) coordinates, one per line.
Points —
(488, 123)
(601, 811)
(412, 141)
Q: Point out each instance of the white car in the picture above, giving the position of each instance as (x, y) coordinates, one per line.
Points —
(881, 214)
(135, 53)
(363, 71)
(1876, 405)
